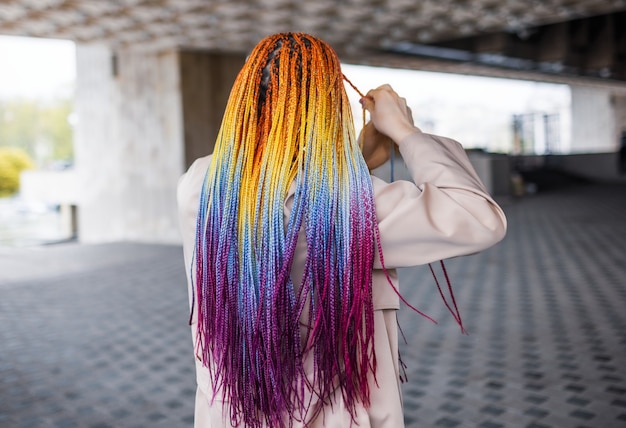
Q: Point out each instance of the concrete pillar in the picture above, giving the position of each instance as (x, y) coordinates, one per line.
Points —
(129, 144)
(593, 120)
(598, 119)
(143, 117)
(619, 106)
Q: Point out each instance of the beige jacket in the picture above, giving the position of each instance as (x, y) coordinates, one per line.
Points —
(447, 214)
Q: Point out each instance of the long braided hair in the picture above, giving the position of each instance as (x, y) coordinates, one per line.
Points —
(288, 122)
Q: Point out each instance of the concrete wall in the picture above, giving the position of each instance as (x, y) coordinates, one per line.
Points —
(494, 170)
(128, 145)
(593, 120)
(206, 80)
(50, 187)
(594, 166)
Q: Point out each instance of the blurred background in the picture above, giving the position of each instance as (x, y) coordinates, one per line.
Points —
(104, 105)
(36, 138)
(38, 119)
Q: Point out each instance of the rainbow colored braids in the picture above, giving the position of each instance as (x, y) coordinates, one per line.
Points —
(287, 123)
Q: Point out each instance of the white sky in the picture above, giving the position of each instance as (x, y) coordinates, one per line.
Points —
(476, 110)
(35, 68)
(514, 96)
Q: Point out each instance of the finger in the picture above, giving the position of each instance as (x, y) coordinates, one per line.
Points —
(381, 89)
(367, 102)
(379, 93)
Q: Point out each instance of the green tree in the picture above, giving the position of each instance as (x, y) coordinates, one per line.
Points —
(19, 124)
(12, 162)
(55, 124)
(41, 129)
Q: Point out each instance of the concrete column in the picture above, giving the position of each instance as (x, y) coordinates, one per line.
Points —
(143, 117)
(598, 118)
(619, 105)
(593, 120)
(129, 145)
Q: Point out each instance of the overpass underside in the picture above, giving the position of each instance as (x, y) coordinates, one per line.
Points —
(590, 47)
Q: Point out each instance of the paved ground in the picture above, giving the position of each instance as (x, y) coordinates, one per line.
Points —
(96, 336)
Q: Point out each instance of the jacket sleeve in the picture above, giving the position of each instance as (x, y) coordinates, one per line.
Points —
(446, 212)
(188, 197)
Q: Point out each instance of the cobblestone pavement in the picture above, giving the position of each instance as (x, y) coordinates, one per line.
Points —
(95, 335)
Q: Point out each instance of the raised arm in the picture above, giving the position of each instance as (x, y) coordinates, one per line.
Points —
(447, 211)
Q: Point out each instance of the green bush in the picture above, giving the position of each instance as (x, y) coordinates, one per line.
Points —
(12, 161)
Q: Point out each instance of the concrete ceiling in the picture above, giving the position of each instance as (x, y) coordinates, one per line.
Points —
(379, 32)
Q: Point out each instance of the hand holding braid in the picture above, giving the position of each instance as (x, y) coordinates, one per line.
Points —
(389, 113)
